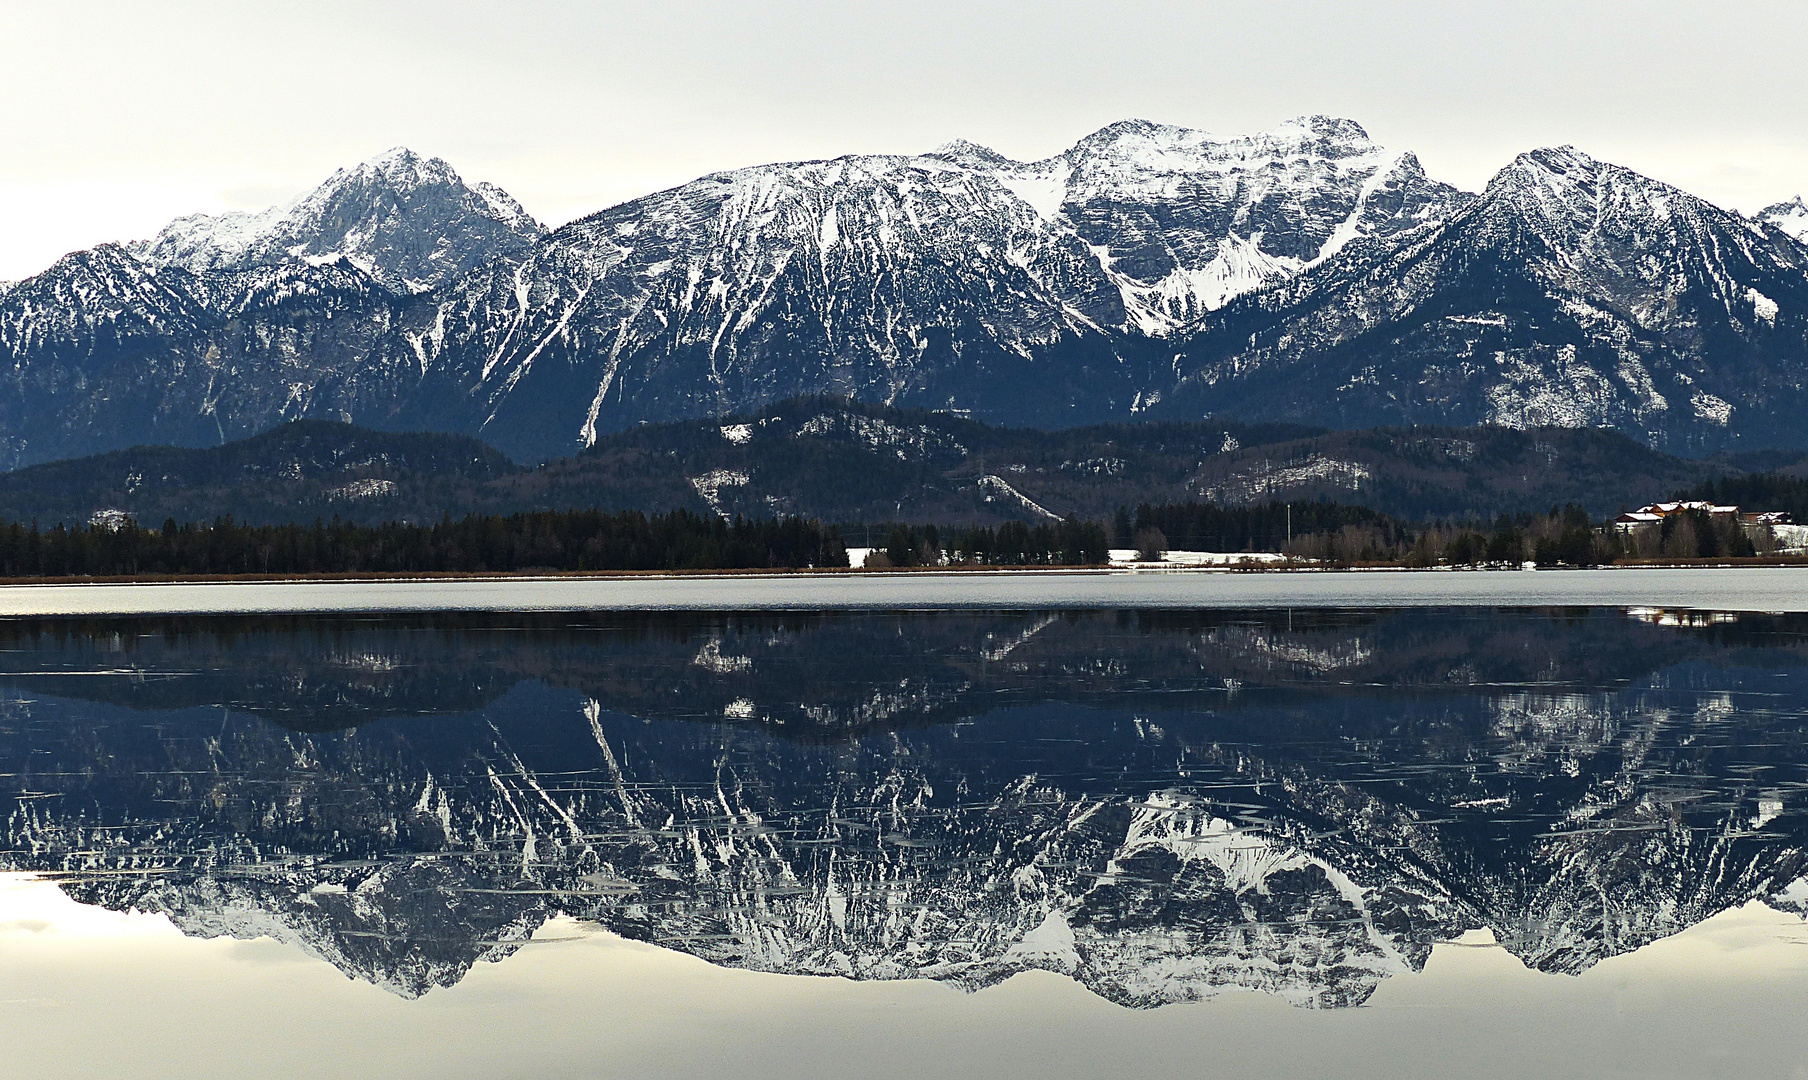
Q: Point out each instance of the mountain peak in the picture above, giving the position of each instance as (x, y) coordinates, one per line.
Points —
(403, 169)
(409, 221)
(1552, 176)
(1790, 215)
(1564, 184)
(395, 155)
(1133, 126)
(111, 263)
(1136, 132)
(1334, 127)
(1562, 160)
(1171, 146)
(963, 152)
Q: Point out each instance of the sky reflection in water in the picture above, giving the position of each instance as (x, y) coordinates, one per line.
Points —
(1567, 840)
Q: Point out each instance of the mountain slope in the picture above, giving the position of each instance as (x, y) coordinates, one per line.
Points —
(905, 280)
(855, 463)
(297, 472)
(102, 352)
(1571, 292)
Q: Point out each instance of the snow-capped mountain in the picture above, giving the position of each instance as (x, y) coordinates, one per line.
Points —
(1571, 293)
(1791, 216)
(225, 326)
(1029, 293)
(889, 278)
(407, 221)
(1183, 221)
(1302, 274)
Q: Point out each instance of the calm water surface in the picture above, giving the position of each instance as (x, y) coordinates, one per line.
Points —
(1094, 841)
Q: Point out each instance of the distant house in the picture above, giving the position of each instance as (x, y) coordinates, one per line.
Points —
(1652, 516)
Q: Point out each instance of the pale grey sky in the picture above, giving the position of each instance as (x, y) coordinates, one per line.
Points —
(119, 116)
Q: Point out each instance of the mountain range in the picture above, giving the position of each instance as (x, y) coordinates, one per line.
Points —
(1301, 275)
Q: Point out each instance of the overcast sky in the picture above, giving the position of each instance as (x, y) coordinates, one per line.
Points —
(119, 116)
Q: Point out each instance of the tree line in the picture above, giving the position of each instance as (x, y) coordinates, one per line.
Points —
(1194, 526)
(547, 540)
(592, 540)
(1755, 491)
(1565, 536)
(1070, 542)
(1331, 533)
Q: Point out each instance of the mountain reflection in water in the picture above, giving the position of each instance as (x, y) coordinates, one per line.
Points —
(1160, 805)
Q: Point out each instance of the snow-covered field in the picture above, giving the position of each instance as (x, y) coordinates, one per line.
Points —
(1791, 537)
(1176, 559)
(1126, 557)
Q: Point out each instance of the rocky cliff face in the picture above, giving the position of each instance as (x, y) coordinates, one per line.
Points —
(1182, 221)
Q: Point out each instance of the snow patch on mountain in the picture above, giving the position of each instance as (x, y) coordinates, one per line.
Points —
(1262, 480)
(1050, 946)
(1712, 409)
(1763, 306)
(710, 485)
(1561, 393)
(369, 488)
(995, 487)
(879, 435)
(1043, 189)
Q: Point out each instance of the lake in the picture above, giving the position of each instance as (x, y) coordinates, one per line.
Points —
(1339, 826)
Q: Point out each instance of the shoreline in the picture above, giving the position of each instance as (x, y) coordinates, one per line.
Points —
(832, 572)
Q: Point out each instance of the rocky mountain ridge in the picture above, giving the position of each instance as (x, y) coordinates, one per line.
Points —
(1571, 292)
(1302, 274)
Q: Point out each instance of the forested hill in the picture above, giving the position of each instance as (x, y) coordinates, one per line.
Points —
(300, 471)
(837, 461)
